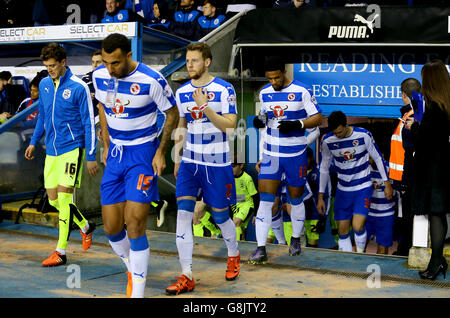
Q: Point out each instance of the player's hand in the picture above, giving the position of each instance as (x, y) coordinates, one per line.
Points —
(321, 205)
(29, 152)
(159, 163)
(258, 167)
(92, 168)
(409, 123)
(200, 96)
(388, 190)
(287, 126)
(258, 122)
(175, 170)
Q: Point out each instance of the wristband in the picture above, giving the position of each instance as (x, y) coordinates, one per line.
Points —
(203, 107)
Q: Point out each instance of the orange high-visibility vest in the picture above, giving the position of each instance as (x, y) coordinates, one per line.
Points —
(397, 158)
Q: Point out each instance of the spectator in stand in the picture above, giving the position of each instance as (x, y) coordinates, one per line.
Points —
(292, 3)
(210, 20)
(30, 121)
(143, 8)
(430, 187)
(117, 13)
(15, 13)
(10, 96)
(185, 20)
(160, 19)
(96, 60)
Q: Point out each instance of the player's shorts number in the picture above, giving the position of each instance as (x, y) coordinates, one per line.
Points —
(71, 168)
(303, 171)
(144, 182)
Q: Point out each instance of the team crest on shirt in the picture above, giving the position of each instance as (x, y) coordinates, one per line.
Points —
(196, 113)
(291, 97)
(377, 186)
(278, 111)
(211, 96)
(348, 155)
(355, 142)
(119, 109)
(66, 93)
(135, 89)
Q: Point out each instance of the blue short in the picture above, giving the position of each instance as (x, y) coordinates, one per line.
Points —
(295, 169)
(217, 184)
(347, 203)
(382, 227)
(130, 178)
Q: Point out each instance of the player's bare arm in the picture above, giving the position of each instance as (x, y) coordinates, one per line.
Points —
(159, 160)
(104, 129)
(179, 139)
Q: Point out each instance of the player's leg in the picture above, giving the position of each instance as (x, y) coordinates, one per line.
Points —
(360, 212)
(384, 236)
(219, 190)
(343, 213)
(277, 224)
(136, 219)
(187, 188)
(269, 181)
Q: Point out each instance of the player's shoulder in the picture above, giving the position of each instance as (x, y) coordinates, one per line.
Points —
(300, 85)
(222, 83)
(100, 71)
(186, 87)
(328, 137)
(361, 131)
(145, 72)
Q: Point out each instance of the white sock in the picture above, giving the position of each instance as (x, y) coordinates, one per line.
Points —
(360, 240)
(345, 243)
(122, 248)
(229, 236)
(278, 230)
(263, 221)
(298, 219)
(185, 241)
(86, 228)
(61, 251)
(139, 266)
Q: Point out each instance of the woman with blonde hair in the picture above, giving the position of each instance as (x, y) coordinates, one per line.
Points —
(430, 184)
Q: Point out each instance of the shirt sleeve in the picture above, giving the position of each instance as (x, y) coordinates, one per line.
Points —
(251, 186)
(39, 129)
(162, 94)
(324, 167)
(375, 153)
(180, 107)
(310, 103)
(87, 118)
(228, 100)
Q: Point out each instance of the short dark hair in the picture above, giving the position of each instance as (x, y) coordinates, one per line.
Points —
(336, 119)
(116, 41)
(409, 85)
(274, 63)
(5, 75)
(96, 52)
(53, 50)
(202, 48)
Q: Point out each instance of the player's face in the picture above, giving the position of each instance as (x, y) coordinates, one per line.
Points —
(156, 12)
(34, 92)
(340, 131)
(117, 63)
(111, 6)
(96, 61)
(237, 168)
(208, 10)
(196, 65)
(55, 69)
(276, 79)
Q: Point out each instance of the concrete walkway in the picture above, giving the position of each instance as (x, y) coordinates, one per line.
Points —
(315, 273)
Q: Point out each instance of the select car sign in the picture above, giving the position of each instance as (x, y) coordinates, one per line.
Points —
(66, 32)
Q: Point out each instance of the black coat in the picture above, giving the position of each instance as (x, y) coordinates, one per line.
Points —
(430, 175)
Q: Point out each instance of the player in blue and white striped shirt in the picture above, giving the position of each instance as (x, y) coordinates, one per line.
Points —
(350, 147)
(133, 156)
(289, 108)
(207, 107)
(381, 218)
